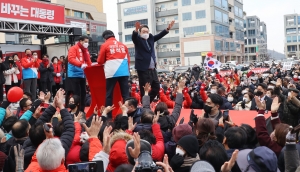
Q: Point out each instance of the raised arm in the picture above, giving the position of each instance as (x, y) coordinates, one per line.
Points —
(164, 32)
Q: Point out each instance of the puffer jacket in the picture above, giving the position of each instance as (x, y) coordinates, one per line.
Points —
(67, 136)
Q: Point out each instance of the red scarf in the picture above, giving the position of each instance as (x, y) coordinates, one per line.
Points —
(45, 62)
(84, 52)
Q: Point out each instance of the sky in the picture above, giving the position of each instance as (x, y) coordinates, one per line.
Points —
(269, 11)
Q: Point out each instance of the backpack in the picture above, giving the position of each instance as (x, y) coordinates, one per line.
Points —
(14, 162)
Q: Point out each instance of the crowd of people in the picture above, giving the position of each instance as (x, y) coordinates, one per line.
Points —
(50, 133)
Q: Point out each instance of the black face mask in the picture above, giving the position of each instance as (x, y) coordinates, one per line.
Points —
(207, 109)
(72, 106)
(11, 61)
(259, 93)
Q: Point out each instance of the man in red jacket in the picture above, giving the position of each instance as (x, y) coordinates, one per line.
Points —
(116, 60)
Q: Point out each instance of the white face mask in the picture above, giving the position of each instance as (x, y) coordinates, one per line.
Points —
(179, 151)
(295, 76)
(55, 61)
(268, 95)
(174, 82)
(228, 82)
(230, 99)
(245, 99)
(244, 91)
(298, 77)
(192, 94)
(213, 74)
(213, 91)
(271, 87)
(85, 45)
(242, 83)
(145, 36)
(289, 94)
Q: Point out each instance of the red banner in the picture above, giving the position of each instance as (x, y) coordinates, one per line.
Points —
(255, 70)
(33, 11)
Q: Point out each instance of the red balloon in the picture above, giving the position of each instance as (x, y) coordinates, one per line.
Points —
(209, 54)
(15, 94)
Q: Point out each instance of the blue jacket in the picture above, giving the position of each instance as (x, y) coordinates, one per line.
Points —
(142, 53)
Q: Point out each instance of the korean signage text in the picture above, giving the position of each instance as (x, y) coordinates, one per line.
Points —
(135, 10)
(32, 10)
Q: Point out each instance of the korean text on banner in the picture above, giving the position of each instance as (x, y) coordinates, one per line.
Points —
(32, 11)
(287, 65)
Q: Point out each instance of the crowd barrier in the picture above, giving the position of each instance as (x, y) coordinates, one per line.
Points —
(96, 81)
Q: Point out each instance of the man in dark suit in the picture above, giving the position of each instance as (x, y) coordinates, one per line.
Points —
(261, 92)
(145, 59)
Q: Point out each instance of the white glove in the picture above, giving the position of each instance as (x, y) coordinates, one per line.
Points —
(58, 74)
(83, 66)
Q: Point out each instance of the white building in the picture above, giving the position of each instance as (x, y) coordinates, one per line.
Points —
(200, 26)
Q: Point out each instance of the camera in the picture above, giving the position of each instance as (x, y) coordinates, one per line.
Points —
(146, 163)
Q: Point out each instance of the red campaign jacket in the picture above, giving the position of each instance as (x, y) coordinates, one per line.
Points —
(135, 94)
(170, 103)
(263, 136)
(74, 153)
(19, 76)
(57, 69)
(203, 93)
(158, 149)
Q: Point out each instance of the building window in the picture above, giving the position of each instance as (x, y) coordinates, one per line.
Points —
(135, 10)
(241, 12)
(200, 14)
(221, 30)
(131, 52)
(78, 14)
(176, 31)
(232, 47)
(298, 20)
(128, 38)
(225, 4)
(225, 18)
(292, 48)
(218, 3)
(131, 24)
(217, 45)
(227, 46)
(165, 61)
(239, 35)
(298, 38)
(178, 60)
(176, 18)
(218, 16)
(249, 42)
(291, 31)
(186, 16)
(186, 2)
(236, 11)
(175, 4)
(288, 39)
(245, 41)
(163, 20)
(241, 24)
(192, 30)
(294, 38)
(199, 1)
(177, 45)
(251, 32)
(254, 40)
(10, 42)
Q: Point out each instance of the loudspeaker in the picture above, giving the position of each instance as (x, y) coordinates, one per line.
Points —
(77, 31)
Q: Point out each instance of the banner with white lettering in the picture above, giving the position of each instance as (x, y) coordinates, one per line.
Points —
(32, 11)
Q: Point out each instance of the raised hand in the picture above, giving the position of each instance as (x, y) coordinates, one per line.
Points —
(95, 127)
(147, 88)
(171, 25)
(137, 26)
(275, 105)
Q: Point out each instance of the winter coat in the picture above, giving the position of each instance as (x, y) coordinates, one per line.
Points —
(263, 136)
(57, 69)
(238, 106)
(46, 73)
(11, 76)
